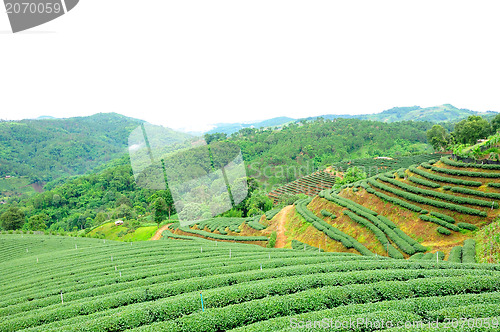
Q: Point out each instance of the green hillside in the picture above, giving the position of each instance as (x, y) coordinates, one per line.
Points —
(53, 283)
(47, 149)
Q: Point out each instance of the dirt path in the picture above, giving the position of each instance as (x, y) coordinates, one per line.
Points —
(157, 235)
(280, 232)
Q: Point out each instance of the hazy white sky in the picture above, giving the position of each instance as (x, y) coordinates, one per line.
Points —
(192, 63)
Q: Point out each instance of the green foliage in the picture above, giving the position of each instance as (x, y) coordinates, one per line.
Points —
(465, 225)
(271, 213)
(475, 193)
(328, 214)
(424, 200)
(332, 232)
(438, 137)
(469, 251)
(444, 179)
(444, 217)
(443, 230)
(394, 200)
(423, 182)
(470, 130)
(457, 172)
(272, 240)
(455, 255)
(379, 225)
(448, 161)
(446, 197)
(353, 174)
(12, 219)
(439, 222)
(297, 245)
(37, 222)
(216, 236)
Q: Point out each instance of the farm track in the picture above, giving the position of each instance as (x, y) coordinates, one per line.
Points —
(158, 233)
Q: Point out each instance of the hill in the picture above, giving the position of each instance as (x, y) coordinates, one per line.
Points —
(230, 128)
(435, 114)
(47, 149)
(53, 283)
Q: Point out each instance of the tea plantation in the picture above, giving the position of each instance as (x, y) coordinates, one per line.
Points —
(54, 283)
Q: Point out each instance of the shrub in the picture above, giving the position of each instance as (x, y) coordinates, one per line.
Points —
(494, 185)
(326, 213)
(424, 200)
(272, 240)
(446, 187)
(469, 251)
(445, 179)
(443, 231)
(444, 217)
(439, 222)
(432, 193)
(424, 211)
(297, 245)
(455, 255)
(423, 182)
(465, 225)
(394, 200)
(446, 160)
(468, 191)
(465, 173)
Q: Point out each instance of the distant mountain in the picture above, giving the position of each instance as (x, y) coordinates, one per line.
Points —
(229, 128)
(47, 149)
(436, 114)
(443, 113)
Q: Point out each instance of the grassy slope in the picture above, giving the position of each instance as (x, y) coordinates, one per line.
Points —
(110, 231)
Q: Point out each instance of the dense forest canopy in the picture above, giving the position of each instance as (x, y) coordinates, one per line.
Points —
(48, 149)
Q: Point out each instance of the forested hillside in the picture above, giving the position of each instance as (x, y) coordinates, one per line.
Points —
(281, 156)
(44, 150)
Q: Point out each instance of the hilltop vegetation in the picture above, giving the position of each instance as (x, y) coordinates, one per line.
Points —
(44, 150)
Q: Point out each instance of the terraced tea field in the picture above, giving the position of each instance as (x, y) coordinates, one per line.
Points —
(53, 283)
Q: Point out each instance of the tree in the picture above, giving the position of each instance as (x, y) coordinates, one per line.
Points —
(37, 222)
(438, 137)
(12, 219)
(353, 174)
(160, 210)
(470, 130)
(495, 123)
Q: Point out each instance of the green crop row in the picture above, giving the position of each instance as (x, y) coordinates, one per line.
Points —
(445, 179)
(369, 312)
(426, 165)
(457, 172)
(233, 316)
(220, 224)
(465, 225)
(428, 201)
(332, 232)
(444, 217)
(297, 245)
(254, 223)
(450, 162)
(271, 213)
(446, 197)
(423, 182)
(401, 172)
(223, 237)
(394, 200)
(328, 214)
(455, 255)
(469, 251)
(468, 191)
(440, 222)
(494, 185)
(443, 230)
(383, 224)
